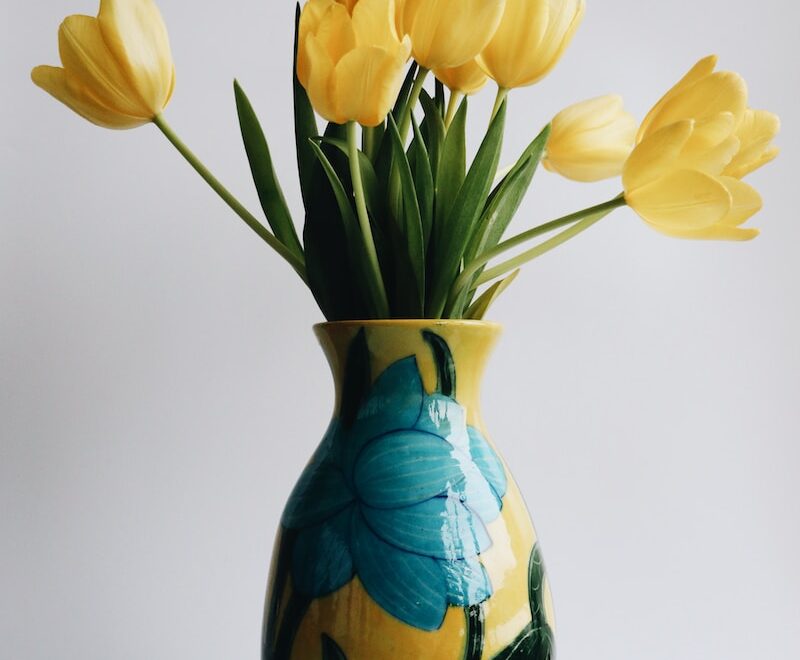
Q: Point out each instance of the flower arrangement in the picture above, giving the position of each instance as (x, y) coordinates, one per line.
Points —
(398, 222)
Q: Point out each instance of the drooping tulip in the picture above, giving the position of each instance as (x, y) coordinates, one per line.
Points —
(466, 79)
(448, 33)
(352, 66)
(530, 40)
(591, 140)
(117, 69)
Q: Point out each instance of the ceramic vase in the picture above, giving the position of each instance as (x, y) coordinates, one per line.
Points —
(406, 537)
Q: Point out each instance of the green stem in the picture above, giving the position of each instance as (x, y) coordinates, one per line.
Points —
(452, 107)
(370, 142)
(416, 90)
(585, 219)
(294, 261)
(502, 93)
(363, 219)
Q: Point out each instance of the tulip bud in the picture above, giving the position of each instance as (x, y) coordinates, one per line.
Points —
(466, 79)
(117, 68)
(530, 40)
(352, 66)
(591, 140)
(756, 133)
(448, 33)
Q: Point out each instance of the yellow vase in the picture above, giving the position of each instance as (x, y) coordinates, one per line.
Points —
(406, 538)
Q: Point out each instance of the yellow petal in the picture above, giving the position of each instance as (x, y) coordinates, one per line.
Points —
(656, 155)
(87, 58)
(681, 200)
(746, 201)
(374, 23)
(310, 20)
(321, 83)
(756, 133)
(466, 79)
(368, 80)
(55, 82)
(335, 32)
(136, 35)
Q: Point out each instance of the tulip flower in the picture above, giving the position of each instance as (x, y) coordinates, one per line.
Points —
(352, 66)
(117, 68)
(591, 140)
(466, 79)
(755, 134)
(530, 40)
(448, 33)
(695, 145)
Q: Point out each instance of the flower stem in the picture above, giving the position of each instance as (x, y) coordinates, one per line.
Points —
(452, 108)
(502, 93)
(268, 237)
(363, 219)
(584, 219)
(413, 97)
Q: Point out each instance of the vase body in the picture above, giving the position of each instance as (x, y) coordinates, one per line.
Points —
(406, 537)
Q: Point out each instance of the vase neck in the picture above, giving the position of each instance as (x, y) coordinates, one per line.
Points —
(449, 356)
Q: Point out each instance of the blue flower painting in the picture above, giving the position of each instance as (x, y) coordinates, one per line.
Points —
(400, 496)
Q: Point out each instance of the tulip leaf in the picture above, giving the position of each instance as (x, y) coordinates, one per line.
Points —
(478, 309)
(269, 189)
(423, 180)
(452, 167)
(433, 130)
(305, 126)
(371, 186)
(452, 236)
(405, 92)
(410, 219)
(331, 270)
(439, 97)
(355, 241)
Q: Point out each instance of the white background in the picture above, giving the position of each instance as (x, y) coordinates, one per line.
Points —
(160, 389)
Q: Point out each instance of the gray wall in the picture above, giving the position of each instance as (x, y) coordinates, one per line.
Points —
(160, 388)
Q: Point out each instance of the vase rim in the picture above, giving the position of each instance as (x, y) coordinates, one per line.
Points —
(410, 323)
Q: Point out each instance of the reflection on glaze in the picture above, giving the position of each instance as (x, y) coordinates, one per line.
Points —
(400, 496)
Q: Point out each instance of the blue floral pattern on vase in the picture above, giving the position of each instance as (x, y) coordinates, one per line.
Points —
(400, 499)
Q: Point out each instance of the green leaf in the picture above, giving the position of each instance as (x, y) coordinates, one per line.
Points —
(477, 311)
(355, 241)
(405, 91)
(305, 126)
(445, 364)
(452, 236)
(372, 189)
(423, 179)
(331, 650)
(269, 189)
(452, 167)
(507, 198)
(433, 130)
(410, 218)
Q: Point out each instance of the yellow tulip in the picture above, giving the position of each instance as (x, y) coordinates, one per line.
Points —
(448, 33)
(591, 140)
(530, 40)
(466, 79)
(755, 134)
(117, 68)
(695, 145)
(352, 66)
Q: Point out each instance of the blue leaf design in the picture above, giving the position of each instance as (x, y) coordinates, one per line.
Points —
(446, 418)
(320, 493)
(488, 462)
(476, 492)
(407, 467)
(321, 562)
(410, 587)
(441, 527)
(467, 582)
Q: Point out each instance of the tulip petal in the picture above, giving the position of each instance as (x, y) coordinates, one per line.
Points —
(682, 200)
(656, 155)
(320, 83)
(746, 201)
(135, 33)
(57, 83)
(374, 24)
(335, 32)
(87, 58)
(466, 79)
(756, 132)
(703, 68)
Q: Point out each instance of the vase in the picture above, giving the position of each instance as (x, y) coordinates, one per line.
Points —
(406, 537)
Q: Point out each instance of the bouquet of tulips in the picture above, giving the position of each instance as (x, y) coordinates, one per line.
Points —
(399, 223)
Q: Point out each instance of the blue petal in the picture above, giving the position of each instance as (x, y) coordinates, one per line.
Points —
(467, 582)
(441, 527)
(476, 492)
(393, 404)
(321, 561)
(407, 467)
(320, 493)
(410, 587)
(488, 462)
(446, 418)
